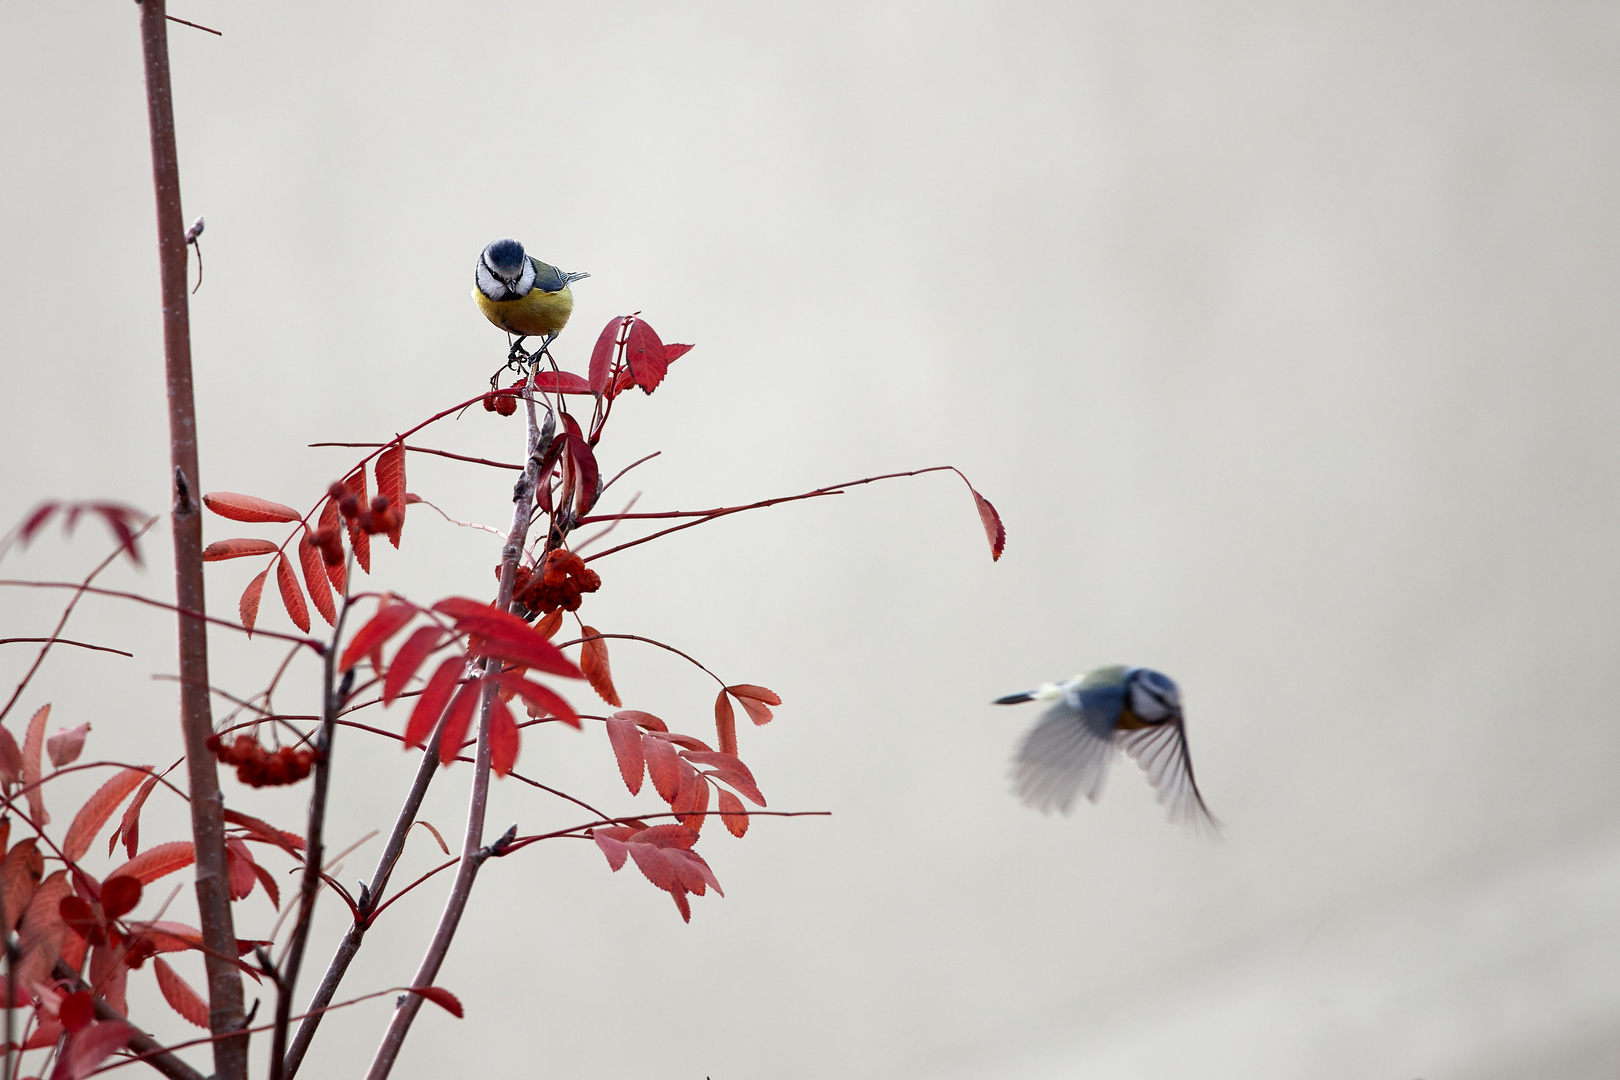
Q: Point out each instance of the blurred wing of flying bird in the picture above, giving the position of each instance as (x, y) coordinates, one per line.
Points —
(1069, 750)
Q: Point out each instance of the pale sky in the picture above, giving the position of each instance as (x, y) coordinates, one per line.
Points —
(1282, 336)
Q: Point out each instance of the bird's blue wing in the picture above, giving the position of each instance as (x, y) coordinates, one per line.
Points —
(1161, 750)
(1067, 753)
(548, 278)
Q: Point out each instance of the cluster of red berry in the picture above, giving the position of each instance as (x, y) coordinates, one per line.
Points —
(558, 583)
(505, 404)
(258, 767)
(379, 517)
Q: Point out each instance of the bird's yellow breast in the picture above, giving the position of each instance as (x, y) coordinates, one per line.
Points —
(535, 313)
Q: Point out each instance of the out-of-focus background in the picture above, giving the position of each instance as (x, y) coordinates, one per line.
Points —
(1282, 336)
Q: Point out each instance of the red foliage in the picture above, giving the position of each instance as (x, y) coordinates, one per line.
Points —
(228, 504)
(593, 661)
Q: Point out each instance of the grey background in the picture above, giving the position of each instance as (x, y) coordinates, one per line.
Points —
(1281, 335)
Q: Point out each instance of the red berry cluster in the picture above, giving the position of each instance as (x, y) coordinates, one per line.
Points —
(558, 583)
(380, 517)
(258, 767)
(505, 404)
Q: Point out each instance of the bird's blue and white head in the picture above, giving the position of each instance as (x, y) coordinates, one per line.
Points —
(1153, 697)
(505, 272)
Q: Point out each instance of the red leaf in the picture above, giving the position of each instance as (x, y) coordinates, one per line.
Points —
(664, 768)
(673, 352)
(646, 357)
(11, 756)
(504, 636)
(730, 769)
(655, 865)
(548, 625)
(315, 579)
(239, 868)
(289, 842)
(41, 935)
(757, 700)
(168, 936)
(80, 917)
(330, 519)
(390, 469)
(725, 723)
(733, 814)
(359, 541)
(33, 744)
(456, 721)
(602, 354)
(228, 504)
(693, 798)
(90, 1048)
(626, 740)
(417, 648)
(19, 877)
(679, 740)
(34, 521)
(238, 547)
(588, 475)
(248, 606)
(109, 973)
(441, 997)
(540, 698)
(430, 706)
(644, 720)
(504, 739)
(994, 531)
(561, 382)
(97, 809)
(388, 621)
(119, 895)
(120, 520)
(76, 1011)
(292, 597)
(66, 745)
(155, 862)
(593, 661)
(179, 994)
(611, 842)
(130, 827)
(268, 880)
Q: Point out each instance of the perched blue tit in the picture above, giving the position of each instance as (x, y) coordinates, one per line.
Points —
(1069, 751)
(520, 294)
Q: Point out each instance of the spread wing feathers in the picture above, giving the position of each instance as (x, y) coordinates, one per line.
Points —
(1066, 754)
(1161, 750)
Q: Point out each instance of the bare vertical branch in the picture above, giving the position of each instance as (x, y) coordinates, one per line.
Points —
(473, 851)
(349, 947)
(335, 694)
(196, 720)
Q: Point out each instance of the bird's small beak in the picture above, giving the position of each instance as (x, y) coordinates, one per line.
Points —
(1014, 699)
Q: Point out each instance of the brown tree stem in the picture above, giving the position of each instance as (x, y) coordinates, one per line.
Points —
(473, 851)
(314, 847)
(355, 937)
(196, 720)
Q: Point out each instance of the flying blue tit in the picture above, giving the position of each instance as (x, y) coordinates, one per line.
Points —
(520, 294)
(1069, 751)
